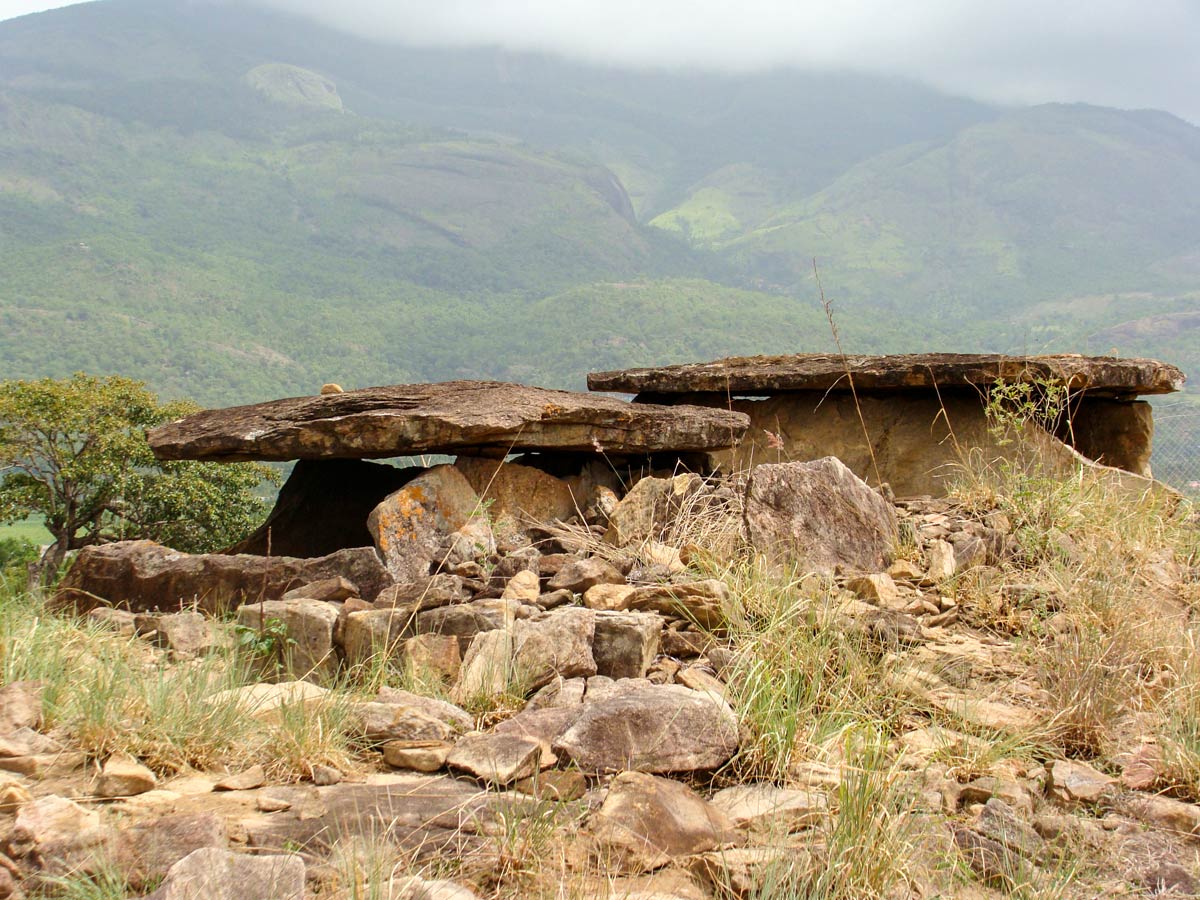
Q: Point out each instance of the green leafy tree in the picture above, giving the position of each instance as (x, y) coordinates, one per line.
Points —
(73, 451)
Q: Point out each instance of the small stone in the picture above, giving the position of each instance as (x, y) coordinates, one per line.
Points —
(1075, 782)
(905, 570)
(323, 775)
(119, 620)
(608, 597)
(941, 562)
(554, 599)
(246, 780)
(124, 777)
(270, 803)
(561, 785)
(21, 706)
(184, 633)
(879, 589)
(13, 795)
(327, 590)
(525, 587)
(420, 756)
(579, 575)
(999, 822)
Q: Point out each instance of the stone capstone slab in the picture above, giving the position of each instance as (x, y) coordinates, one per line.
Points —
(821, 372)
(457, 417)
(143, 576)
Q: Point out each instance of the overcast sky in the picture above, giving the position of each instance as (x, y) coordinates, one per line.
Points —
(1127, 53)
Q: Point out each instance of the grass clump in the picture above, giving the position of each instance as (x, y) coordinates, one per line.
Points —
(115, 694)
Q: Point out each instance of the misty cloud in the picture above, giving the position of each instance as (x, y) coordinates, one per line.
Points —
(1126, 53)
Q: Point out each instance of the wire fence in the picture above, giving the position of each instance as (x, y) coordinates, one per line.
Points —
(1176, 456)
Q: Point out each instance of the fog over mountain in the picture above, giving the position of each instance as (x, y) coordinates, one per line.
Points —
(1113, 52)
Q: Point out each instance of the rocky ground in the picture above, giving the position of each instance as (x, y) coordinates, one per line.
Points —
(781, 686)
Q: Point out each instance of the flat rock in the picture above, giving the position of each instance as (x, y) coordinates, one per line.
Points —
(498, 759)
(703, 602)
(147, 849)
(143, 576)
(820, 372)
(770, 808)
(455, 417)
(650, 728)
(428, 816)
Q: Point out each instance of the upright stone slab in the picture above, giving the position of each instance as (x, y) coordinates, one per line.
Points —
(819, 516)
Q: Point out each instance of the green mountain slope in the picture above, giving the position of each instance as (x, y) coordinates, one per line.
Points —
(239, 205)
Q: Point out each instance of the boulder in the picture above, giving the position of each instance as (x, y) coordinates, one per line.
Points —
(143, 576)
(557, 645)
(487, 668)
(323, 507)
(608, 597)
(457, 417)
(411, 525)
(516, 495)
(650, 508)
(309, 625)
(372, 632)
(645, 822)
(146, 849)
(211, 873)
(626, 643)
(436, 655)
(650, 728)
(820, 516)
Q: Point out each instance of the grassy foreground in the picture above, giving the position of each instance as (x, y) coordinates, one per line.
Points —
(1093, 617)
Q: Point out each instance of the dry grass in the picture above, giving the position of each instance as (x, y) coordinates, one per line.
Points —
(115, 694)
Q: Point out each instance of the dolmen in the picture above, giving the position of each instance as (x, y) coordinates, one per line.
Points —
(910, 419)
(485, 463)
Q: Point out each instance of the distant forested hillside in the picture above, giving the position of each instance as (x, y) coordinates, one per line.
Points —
(234, 204)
